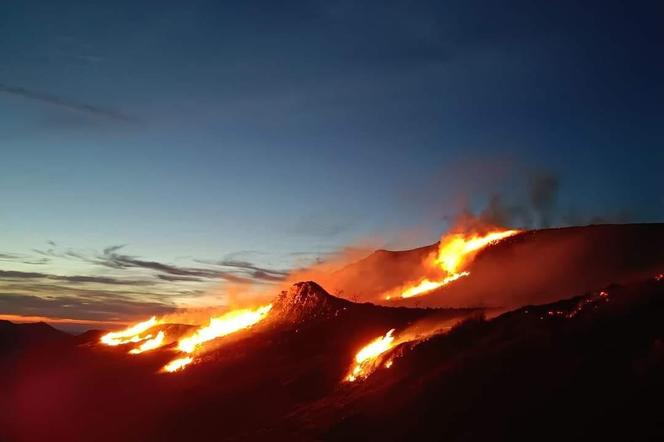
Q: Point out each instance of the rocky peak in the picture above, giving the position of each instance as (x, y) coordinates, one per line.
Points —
(307, 301)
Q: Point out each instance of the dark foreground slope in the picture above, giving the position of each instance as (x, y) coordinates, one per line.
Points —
(588, 368)
(536, 266)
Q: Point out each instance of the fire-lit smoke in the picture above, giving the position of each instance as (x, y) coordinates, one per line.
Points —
(455, 252)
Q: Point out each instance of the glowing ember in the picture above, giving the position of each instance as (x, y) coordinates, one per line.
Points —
(129, 335)
(150, 344)
(224, 325)
(454, 253)
(366, 358)
(177, 364)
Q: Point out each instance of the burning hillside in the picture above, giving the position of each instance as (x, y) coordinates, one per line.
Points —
(339, 370)
(535, 266)
(145, 336)
(455, 253)
(301, 304)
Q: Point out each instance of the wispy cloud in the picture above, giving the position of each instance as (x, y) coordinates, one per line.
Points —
(54, 100)
(229, 269)
(86, 305)
(13, 275)
(111, 258)
(179, 278)
(251, 270)
(24, 259)
(128, 287)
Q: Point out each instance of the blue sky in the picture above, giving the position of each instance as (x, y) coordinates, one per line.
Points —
(272, 133)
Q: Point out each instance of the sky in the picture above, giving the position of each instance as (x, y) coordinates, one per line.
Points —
(155, 154)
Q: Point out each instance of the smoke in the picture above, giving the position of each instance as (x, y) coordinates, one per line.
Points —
(543, 192)
(505, 191)
(66, 104)
(537, 205)
(325, 271)
(361, 273)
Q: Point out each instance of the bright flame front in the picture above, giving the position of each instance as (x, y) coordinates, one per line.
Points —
(366, 358)
(177, 364)
(150, 344)
(132, 334)
(454, 253)
(218, 327)
(223, 325)
(428, 285)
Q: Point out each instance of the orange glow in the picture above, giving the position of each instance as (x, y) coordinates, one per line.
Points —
(218, 327)
(428, 285)
(455, 252)
(177, 364)
(150, 344)
(129, 335)
(223, 325)
(23, 319)
(366, 358)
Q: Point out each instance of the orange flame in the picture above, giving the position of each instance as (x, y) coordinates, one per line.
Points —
(222, 326)
(218, 327)
(129, 335)
(150, 344)
(454, 253)
(427, 285)
(367, 357)
(177, 364)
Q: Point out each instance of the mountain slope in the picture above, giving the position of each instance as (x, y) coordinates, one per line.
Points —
(585, 368)
(532, 267)
(588, 368)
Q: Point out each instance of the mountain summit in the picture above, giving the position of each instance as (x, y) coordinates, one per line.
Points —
(307, 301)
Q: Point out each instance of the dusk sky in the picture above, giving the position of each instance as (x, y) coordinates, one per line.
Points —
(154, 152)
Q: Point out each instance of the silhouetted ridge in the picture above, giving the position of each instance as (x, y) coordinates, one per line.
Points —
(306, 301)
(16, 336)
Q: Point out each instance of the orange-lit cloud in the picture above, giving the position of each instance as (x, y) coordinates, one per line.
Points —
(53, 320)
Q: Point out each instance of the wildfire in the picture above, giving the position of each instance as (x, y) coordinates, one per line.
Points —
(428, 285)
(177, 364)
(150, 344)
(218, 327)
(131, 334)
(224, 325)
(367, 357)
(454, 253)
